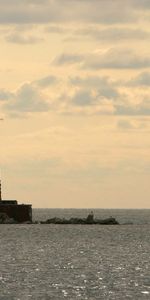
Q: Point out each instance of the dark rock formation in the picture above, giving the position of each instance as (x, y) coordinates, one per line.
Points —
(89, 220)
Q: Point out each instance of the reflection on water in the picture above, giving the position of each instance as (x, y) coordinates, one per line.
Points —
(74, 262)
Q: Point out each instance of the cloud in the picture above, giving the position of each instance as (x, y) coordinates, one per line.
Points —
(140, 109)
(20, 39)
(143, 79)
(112, 33)
(4, 95)
(30, 11)
(83, 97)
(102, 97)
(86, 101)
(67, 58)
(27, 14)
(144, 4)
(27, 99)
(112, 58)
(93, 91)
(89, 81)
(103, 85)
(46, 81)
(116, 58)
(86, 95)
(108, 92)
(126, 124)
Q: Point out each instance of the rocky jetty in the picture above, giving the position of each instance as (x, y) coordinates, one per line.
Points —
(4, 219)
(83, 221)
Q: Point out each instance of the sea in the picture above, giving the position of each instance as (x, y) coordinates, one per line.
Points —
(47, 261)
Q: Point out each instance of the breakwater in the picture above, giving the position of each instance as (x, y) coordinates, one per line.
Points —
(4, 219)
(82, 221)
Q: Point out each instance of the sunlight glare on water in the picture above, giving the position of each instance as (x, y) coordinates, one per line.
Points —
(74, 262)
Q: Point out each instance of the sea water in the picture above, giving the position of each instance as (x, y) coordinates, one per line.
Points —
(76, 261)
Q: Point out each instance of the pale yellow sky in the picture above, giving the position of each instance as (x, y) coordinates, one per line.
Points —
(74, 95)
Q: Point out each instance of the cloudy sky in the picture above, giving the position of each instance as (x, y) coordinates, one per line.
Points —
(75, 99)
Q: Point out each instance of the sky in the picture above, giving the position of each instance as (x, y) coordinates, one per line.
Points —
(75, 103)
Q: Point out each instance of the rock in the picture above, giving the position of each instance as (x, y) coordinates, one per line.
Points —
(108, 221)
(89, 220)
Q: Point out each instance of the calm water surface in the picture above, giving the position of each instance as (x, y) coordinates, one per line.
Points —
(76, 261)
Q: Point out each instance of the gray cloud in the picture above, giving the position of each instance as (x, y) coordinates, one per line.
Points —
(27, 99)
(89, 97)
(103, 85)
(92, 81)
(116, 58)
(113, 33)
(108, 92)
(30, 11)
(46, 81)
(135, 124)
(22, 39)
(67, 59)
(4, 95)
(97, 91)
(144, 4)
(86, 95)
(27, 13)
(83, 98)
(142, 109)
(131, 111)
(142, 79)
